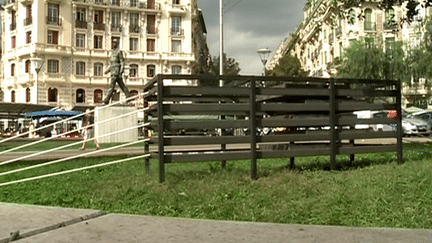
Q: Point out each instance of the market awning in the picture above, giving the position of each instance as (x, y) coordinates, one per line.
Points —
(17, 110)
(52, 113)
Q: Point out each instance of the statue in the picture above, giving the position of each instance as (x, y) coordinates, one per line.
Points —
(116, 69)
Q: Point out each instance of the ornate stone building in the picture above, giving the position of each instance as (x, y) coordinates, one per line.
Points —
(74, 39)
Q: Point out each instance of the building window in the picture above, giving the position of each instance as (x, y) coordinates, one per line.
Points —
(133, 3)
(29, 19)
(13, 96)
(134, 23)
(176, 2)
(52, 95)
(98, 69)
(115, 2)
(81, 14)
(115, 22)
(151, 45)
(28, 37)
(176, 25)
(98, 41)
(53, 66)
(80, 40)
(52, 37)
(151, 4)
(98, 16)
(53, 14)
(390, 19)
(176, 46)
(116, 96)
(12, 69)
(151, 24)
(1, 95)
(28, 95)
(80, 68)
(352, 17)
(97, 96)
(368, 22)
(80, 96)
(176, 69)
(13, 42)
(133, 71)
(27, 66)
(134, 93)
(151, 70)
(133, 44)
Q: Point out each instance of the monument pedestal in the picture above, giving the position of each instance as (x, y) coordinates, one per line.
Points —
(127, 121)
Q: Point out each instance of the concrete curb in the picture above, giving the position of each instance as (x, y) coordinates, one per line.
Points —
(53, 227)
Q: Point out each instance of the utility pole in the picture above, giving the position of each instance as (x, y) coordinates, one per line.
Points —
(221, 51)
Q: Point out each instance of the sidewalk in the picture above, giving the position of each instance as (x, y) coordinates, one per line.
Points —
(54, 224)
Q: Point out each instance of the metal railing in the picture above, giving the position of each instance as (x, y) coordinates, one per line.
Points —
(28, 21)
(99, 26)
(81, 24)
(53, 20)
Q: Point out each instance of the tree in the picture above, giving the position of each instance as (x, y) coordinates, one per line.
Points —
(412, 6)
(230, 67)
(289, 66)
(373, 60)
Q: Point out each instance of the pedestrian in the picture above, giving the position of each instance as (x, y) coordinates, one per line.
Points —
(89, 130)
(31, 129)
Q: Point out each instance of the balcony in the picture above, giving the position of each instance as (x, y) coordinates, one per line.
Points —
(390, 26)
(13, 26)
(151, 30)
(177, 32)
(81, 24)
(28, 21)
(152, 6)
(369, 26)
(116, 28)
(53, 20)
(99, 26)
(114, 2)
(134, 28)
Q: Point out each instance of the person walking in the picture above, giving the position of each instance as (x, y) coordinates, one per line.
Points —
(89, 130)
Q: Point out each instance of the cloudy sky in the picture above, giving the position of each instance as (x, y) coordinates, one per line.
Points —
(250, 25)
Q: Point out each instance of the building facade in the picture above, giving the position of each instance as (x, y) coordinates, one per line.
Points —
(74, 39)
(323, 35)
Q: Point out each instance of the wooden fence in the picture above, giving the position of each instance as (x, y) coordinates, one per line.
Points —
(266, 117)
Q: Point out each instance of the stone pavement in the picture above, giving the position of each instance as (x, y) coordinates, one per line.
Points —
(53, 224)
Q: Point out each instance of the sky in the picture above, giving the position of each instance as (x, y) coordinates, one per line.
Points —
(250, 25)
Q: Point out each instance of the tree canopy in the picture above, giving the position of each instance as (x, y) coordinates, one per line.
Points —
(289, 66)
(411, 5)
(231, 67)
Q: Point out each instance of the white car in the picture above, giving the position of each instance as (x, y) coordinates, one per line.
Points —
(415, 126)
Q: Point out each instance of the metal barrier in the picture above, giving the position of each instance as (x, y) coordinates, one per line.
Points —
(306, 116)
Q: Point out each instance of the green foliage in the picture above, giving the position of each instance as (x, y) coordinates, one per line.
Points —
(373, 191)
(230, 68)
(371, 59)
(411, 5)
(288, 66)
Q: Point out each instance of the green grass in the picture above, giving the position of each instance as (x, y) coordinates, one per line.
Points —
(374, 191)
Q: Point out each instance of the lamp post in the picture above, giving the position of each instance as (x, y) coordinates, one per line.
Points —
(37, 65)
(264, 55)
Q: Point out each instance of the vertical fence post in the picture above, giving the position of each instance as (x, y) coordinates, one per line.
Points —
(399, 122)
(146, 136)
(161, 128)
(253, 124)
(333, 123)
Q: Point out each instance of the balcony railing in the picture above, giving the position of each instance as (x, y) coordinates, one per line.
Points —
(53, 20)
(134, 28)
(116, 28)
(99, 26)
(114, 2)
(151, 30)
(81, 24)
(369, 26)
(177, 32)
(28, 21)
(152, 6)
(13, 26)
(390, 26)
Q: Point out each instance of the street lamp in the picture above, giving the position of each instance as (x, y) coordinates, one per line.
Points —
(264, 55)
(37, 65)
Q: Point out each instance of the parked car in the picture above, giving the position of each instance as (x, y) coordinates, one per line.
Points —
(415, 126)
(423, 115)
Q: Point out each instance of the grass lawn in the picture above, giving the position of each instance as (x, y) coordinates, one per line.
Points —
(374, 191)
